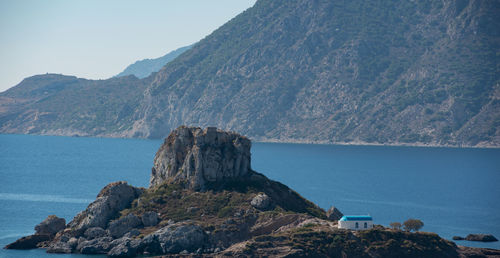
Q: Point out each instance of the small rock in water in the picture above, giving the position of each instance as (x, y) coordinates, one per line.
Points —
(481, 238)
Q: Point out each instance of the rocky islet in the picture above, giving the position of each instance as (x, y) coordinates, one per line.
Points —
(205, 200)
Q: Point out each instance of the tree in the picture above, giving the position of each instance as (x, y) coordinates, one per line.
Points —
(413, 224)
(395, 225)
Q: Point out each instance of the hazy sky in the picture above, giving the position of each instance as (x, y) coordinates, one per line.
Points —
(97, 39)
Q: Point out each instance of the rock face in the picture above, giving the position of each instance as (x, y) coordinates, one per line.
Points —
(50, 226)
(333, 213)
(112, 199)
(200, 157)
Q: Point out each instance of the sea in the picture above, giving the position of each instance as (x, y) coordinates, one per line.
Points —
(454, 191)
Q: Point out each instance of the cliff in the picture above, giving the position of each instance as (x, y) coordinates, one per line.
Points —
(356, 72)
(220, 207)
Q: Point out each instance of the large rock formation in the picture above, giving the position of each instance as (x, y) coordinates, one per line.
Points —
(198, 157)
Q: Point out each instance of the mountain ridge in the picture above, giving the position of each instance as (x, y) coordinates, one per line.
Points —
(379, 73)
(145, 67)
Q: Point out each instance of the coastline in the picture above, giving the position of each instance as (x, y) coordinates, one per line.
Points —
(70, 133)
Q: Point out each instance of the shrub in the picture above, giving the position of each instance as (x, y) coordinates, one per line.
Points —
(395, 225)
(413, 225)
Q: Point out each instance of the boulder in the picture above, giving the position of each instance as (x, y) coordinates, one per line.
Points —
(458, 238)
(123, 225)
(50, 226)
(334, 214)
(200, 157)
(95, 232)
(481, 238)
(60, 247)
(110, 201)
(261, 201)
(28, 242)
(149, 219)
(95, 246)
(124, 247)
(174, 239)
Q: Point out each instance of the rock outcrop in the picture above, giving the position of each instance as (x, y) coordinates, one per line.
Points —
(112, 199)
(50, 226)
(200, 157)
(28, 242)
(44, 232)
(334, 213)
(261, 201)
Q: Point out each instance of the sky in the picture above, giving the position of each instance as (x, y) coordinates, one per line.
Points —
(97, 39)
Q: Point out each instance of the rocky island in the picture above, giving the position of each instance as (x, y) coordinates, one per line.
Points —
(204, 200)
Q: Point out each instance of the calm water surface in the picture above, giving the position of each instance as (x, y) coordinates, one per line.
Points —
(453, 191)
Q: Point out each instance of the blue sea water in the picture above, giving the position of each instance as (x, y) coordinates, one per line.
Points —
(453, 191)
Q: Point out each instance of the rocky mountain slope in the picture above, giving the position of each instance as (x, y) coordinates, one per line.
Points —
(206, 201)
(143, 68)
(376, 72)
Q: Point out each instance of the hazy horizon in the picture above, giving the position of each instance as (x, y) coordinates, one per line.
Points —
(96, 39)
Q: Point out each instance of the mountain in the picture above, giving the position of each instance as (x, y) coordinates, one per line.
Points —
(376, 72)
(144, 68)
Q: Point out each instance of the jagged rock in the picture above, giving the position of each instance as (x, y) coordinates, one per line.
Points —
(28, 242)
(121, 226)
(334, 213)
(198, 157)
(95, 232)
(261, 201)
(481, 238)
(112, 199)
(457, 238)
(50, 226)
(174, 239)
(95, 246)
(149, 219)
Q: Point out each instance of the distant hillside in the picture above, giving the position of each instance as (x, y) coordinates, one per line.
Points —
(66, 105)
(376, 72)
(144, 68)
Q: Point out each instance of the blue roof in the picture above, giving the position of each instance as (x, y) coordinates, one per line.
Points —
(355, 218)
